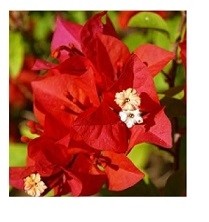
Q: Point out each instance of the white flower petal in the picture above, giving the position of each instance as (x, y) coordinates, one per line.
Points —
(123, 116)
(131, 117)
(129, 123)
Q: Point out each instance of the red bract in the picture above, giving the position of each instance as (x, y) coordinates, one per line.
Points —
(93, 107)
(16, 96)
(102, 47)
(57, 166)
(99, 126)
(51, 161)
(114, 169)
(65, 96)
(154, 57)
(121, 172)
(76, 168)
(102, 129)
(98, 42)
(66, 34)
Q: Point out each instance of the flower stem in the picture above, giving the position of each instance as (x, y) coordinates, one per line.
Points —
(171, 76)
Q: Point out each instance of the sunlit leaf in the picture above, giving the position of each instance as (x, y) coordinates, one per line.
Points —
(160, 82)
(77, 16)
(133, 40)
(17, 154)
(43, 25)
(160, 39)
(16, 53)
(149, 20)
(173, 24)
(114, 17)
(140, 154)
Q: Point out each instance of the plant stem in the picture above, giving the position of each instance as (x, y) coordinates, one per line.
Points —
(171, 76)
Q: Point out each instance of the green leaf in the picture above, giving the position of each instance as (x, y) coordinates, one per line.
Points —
(149, 20)
(79, 17)
(160, 82)
(17, 154)
(16, 53)
(133, 40)
(114, 18)
(180, 75)
(161, 40)
(43, 25)
(140, 154)
(75, 16)
(173, 23)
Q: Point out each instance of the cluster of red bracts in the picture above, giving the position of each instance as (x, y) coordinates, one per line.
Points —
(83, 141)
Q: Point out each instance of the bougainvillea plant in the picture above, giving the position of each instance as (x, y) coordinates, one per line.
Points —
(92, 105)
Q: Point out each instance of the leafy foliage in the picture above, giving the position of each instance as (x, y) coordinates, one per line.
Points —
(16, 53)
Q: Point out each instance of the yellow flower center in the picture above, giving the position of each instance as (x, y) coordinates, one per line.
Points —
(128, 99)
(33, 185)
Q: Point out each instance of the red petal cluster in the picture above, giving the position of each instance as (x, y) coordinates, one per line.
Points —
(83, 144)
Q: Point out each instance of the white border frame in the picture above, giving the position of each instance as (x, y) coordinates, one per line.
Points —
(109, 208)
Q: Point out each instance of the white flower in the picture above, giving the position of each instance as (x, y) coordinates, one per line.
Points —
(130, 118)
(128, 99)
(33, 185)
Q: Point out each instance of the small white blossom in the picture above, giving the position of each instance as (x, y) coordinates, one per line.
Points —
(33, 185)
(130, 118)
(128, 99)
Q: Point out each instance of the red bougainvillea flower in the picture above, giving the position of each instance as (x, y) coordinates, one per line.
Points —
(119, 171)
(48, 167)
(148, 123)
(94, 43)
(105, 75)
(92, 108)
(97, 43)
(77, 169)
